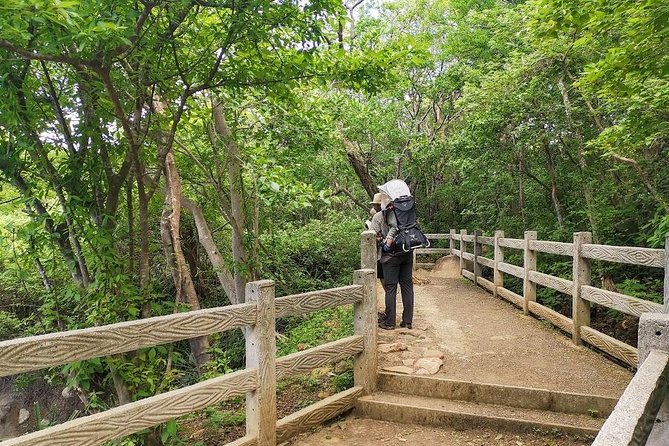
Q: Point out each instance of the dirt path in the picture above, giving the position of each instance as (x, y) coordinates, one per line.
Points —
(489, 340)
(364, 432)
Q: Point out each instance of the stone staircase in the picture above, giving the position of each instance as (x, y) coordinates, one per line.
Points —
(434, 401)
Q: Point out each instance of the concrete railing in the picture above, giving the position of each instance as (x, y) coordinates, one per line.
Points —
(641, 416)
(257, 381)
(477, 252)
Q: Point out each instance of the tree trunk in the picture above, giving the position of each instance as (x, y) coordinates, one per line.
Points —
(226, 279)
(183, 281)
(237, 215)
(360, 168)
(144, 234)
(552, 174)
(582, 163)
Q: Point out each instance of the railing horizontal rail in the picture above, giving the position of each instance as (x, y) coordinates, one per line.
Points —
(467, 238)
(432, 251)
(438, 236)
(557, 283)
(625, 254)
(456, 237)
(468, 274)
(484, 240)
(133, 417)
(621, 302)
(296, 304)
(485, 283)
(38, 352)
(511, 269)
(317, 413)
(456, 252)
(310, 359)
(509, 295)
(490, 263)
(468, 256)
(563, 249)
(610, 345)
(511, 243)
(557, 319)
(309, 417)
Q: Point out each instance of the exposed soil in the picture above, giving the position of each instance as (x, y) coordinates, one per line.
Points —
(365, 432)
(489, 340)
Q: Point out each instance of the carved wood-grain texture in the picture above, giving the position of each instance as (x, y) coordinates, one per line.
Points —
(490, 263)
(486, 240)
(498, 276)
(432, 251)
(509, 295)
(552, 316)
(261, 355)
(511, 269)
(124, 420)
(438, 236)
(563, 249)
(529, 265)
(364, 324)
(612, 346)
(38, 352)
(485, 283)
(468, 256)
(368, 250)
(246, 440)
(307, 360)
(514, 243)
(468, 274)
(317, 300)
(317, 413)
(621, 302)
(557, 283)
(625, 254)
(581, 276)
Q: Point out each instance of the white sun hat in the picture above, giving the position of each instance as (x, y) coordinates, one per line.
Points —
(395, 189)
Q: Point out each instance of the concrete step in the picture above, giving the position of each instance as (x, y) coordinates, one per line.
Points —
(464, 415)
(520, 397)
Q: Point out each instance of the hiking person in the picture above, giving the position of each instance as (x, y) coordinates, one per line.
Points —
(397, 259)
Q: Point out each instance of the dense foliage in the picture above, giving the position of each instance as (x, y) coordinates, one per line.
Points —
(157, 155)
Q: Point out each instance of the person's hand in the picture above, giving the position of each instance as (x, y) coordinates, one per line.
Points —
(385, 248)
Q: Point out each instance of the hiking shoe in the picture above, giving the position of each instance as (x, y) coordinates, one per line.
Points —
(380, 317)
(386, 327)
(403, 325)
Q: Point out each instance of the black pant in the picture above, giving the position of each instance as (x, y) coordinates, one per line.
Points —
(399, 269)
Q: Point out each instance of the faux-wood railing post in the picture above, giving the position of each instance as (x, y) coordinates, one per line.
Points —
(261, 354)
(463, 249)
(364, 324)
(451, 241)
(368, 250)
(666, 273)
(498, 276)
(581, 276)
(529, 264)
(477, 252)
